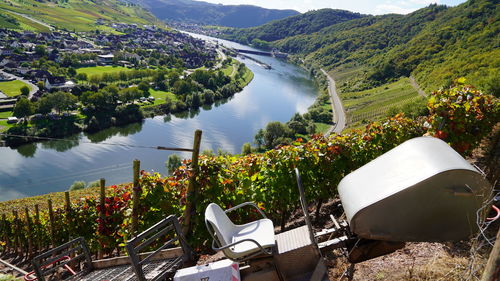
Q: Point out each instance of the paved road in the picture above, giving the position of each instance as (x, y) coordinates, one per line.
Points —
(339, 119)
(34, 88)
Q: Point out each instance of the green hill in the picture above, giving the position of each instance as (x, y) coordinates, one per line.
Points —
(199, 12)
(306, 23)
(435, 44)
(72, 15)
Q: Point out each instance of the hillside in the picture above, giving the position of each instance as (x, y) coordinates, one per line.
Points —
(306, 23)
(212, 14)
(72, 15)
(435, 44)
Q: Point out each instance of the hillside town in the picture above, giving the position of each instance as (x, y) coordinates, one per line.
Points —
(136, 47)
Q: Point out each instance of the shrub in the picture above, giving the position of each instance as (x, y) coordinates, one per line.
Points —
(77, 185)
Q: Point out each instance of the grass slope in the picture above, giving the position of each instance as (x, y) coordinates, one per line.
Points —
(98, 70)
(12, 88)
(73, 15)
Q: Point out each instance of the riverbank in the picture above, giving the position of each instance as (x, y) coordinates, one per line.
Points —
(68, 125)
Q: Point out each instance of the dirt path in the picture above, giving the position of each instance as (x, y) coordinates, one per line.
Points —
(339, 118)
(417, 87)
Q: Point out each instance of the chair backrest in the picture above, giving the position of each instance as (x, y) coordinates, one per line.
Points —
(162, 240)
(221, 224)
(74, 253)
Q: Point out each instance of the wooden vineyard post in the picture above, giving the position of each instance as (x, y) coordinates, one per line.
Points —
(30, 233)
(102, 182)
(67, 207)
(136, 196)
(492, 270)
(52, 224)
(6, 237)
(38, 245)
(193, 186)
(17, 238)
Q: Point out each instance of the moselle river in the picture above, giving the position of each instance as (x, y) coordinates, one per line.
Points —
(273, 95)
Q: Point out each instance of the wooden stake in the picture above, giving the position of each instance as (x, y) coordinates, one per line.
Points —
(17, 238)
(103, 212)
(492, 270)
(38, 243)
(67, 207)
(52, 224)
(6, 237)
(136, 196)
(193, 186)
(30, 234)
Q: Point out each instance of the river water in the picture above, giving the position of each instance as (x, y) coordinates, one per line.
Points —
(273, 95)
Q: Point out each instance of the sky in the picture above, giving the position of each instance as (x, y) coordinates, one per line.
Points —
(374, 7)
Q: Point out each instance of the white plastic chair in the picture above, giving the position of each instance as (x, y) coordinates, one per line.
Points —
(239, 242)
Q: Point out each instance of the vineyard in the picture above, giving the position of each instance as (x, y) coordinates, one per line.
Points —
(460, 115)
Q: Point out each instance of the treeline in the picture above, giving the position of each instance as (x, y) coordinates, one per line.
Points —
(93, 107)
(299, 126)
(306, 23)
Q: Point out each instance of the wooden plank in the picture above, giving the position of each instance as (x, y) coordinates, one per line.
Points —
(319, 271)
(492, 270)
(333, 244)
(164, 254)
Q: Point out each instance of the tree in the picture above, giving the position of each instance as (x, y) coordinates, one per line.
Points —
(40, 50)
(246, 148)
(71, 72)
(77, 185)
(25, 90)
(62, 101)
(23, 108)
(173, 162)
(276, 133)
(144, 87)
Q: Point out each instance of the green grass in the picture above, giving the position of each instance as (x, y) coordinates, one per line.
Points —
(321, 128)
(374, 104)
(247, 77)
(4, 125)
(99, 70)
(5, 114)
(160, 97)
(12, 88)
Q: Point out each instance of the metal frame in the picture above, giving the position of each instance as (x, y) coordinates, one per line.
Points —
(150, 235)
(303, 203)
(53, 256)
(212, 232)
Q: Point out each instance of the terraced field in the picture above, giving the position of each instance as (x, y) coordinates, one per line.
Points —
(375, 103)
(73, 15)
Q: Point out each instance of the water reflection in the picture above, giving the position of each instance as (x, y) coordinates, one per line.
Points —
(62, 145)
(27, 150)
(121, 131)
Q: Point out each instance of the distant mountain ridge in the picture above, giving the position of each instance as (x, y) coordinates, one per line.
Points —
(204, 13)
(306, 23)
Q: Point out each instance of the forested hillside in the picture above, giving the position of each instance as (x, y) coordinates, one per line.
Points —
(200, 12)
(72, 15)
(300, 24)
(435, 44)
